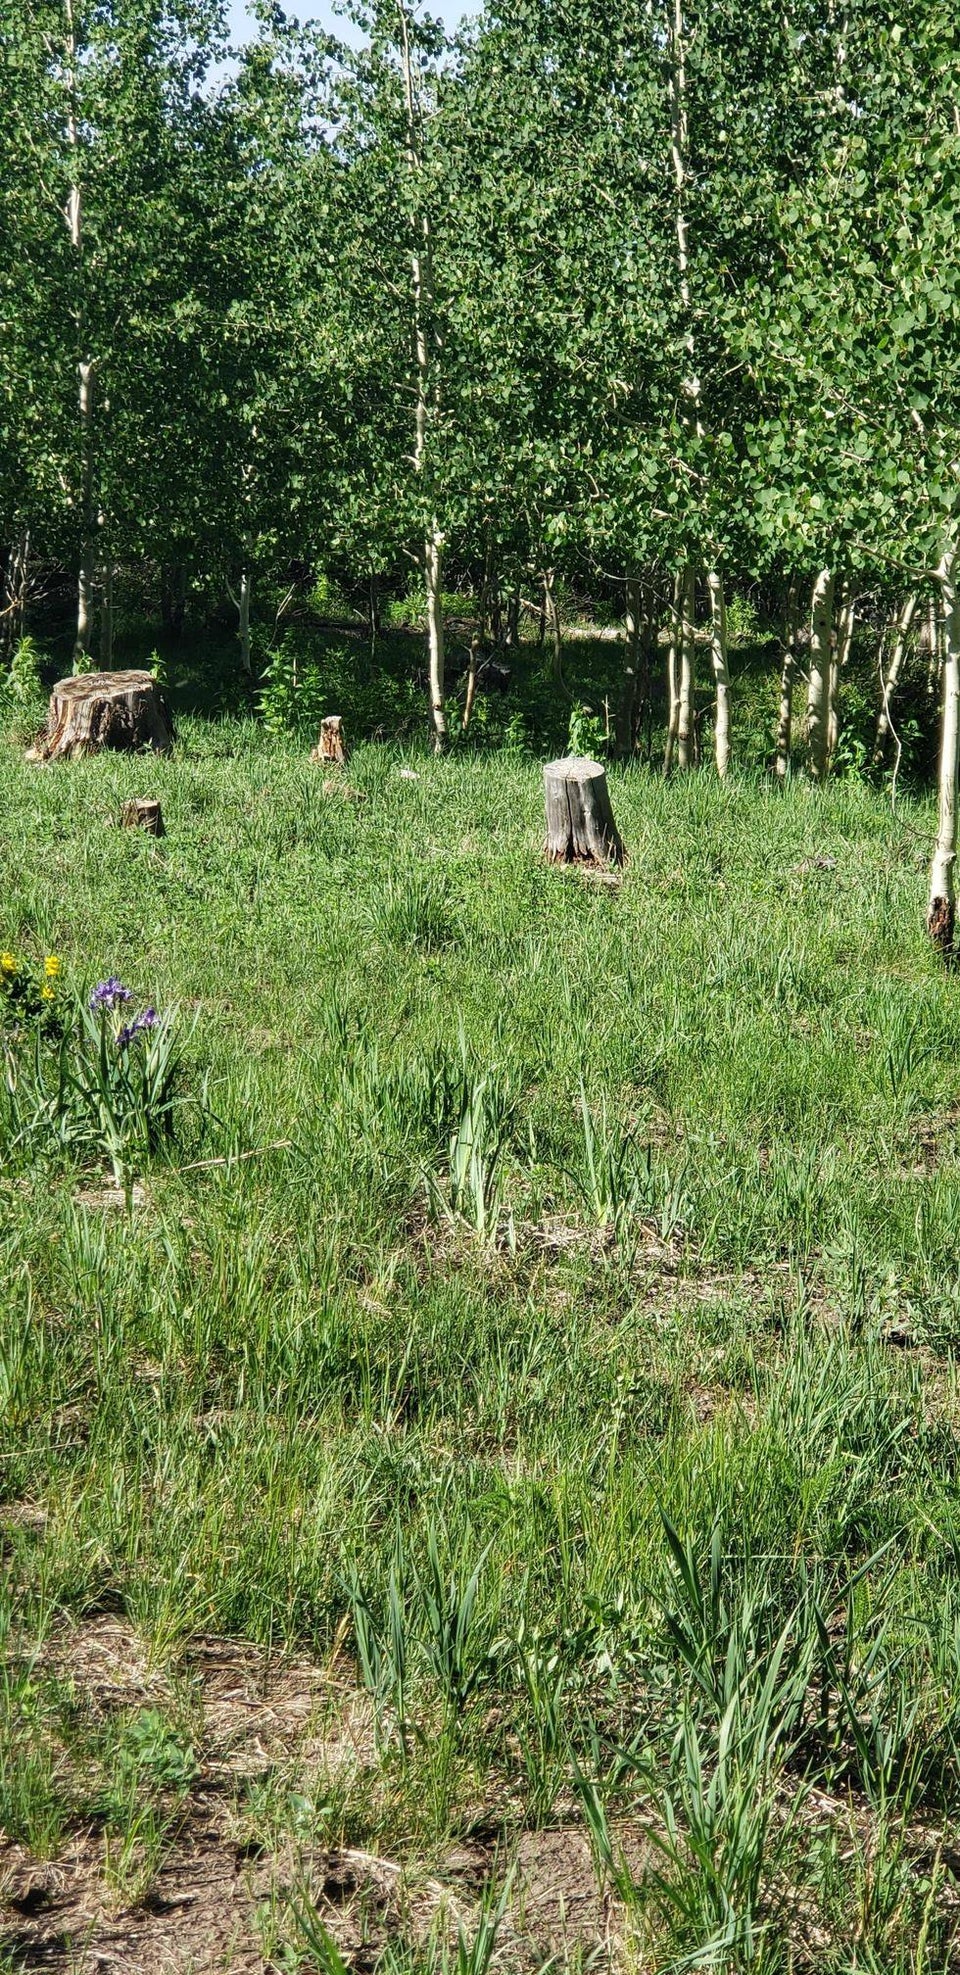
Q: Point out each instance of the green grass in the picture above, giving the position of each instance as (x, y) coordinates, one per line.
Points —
(333, 1383)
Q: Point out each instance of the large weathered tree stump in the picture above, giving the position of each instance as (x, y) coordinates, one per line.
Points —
(332, 745)
(105, 710)
(580, 825)
(143, 813)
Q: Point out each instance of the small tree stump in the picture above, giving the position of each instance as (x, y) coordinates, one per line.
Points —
(143, 813)
(580, 825)
(105, 709)
(332, 745)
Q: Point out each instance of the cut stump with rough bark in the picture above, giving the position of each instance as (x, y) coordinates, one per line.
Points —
(143, 813)
(332, 745)
(580, 825)
(98, 710)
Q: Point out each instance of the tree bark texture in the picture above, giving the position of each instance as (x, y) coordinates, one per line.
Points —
(16, 589)
(821, 676)
(787, 677)
(688, 670)
(421, 269)
(97, 710)
(106, 619)
(243, 621)
(721, 670)
(580, 825)
(626, 715)
(673, 676)
(941, 909)
(552, 618)
(889, 679)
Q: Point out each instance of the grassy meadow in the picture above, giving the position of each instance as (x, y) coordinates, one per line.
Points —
(490, 1491)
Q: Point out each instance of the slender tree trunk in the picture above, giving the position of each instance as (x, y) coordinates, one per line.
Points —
(787, 676)
(16, 586)
(427, 384)
(86, 365)
(941, 911)
(686, 737)
(903, 624)
(373, 608)
(821, 664)
(512, 633)
(721, 670)
(552, 615)
(625, 724)
(846, 622)
(433, 570)
(106, 619)
(649, 648)
(88, 549)
(471, 692)
(932, 643)
(673, 676)
(243, 620)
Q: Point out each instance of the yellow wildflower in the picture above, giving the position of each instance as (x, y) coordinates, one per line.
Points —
(52, 966)
(47, 991)
(8, 963)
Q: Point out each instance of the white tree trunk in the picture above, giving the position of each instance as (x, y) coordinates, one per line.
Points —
(941, 910)
(787, 675)
(673, 675)
(243, 620)
(433, 576)
(846, 622)
(821, 676)
(627, 704)
(889, 679)
(721, 670)
(552, 617)
(88, 551)
(73, 214)
(106, 619)
(421, 267)
(688, 671)
(932, 643)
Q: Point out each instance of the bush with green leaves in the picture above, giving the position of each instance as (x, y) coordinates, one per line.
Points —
(20, 684)
(292, 693)
(587, 731)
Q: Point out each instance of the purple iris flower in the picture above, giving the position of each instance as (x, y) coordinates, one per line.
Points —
(107, 995)
(138, 1027)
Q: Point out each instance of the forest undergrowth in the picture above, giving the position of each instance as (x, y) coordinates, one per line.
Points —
(484, 1488)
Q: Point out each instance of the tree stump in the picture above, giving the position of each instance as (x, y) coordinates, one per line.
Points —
(332, 745)
(580, 825)
(105, 710)
(143, 813)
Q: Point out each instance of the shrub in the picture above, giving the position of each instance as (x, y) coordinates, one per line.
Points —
(292, 692)
(22, 682)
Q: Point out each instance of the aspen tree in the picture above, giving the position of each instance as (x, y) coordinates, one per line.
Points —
(86, 364)
(673, 674)
(941, 907)
(421, 262)
(686, 736)
(721, 671)
(818, 688)
(633, 627)
(890, 677)
(787, 675)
